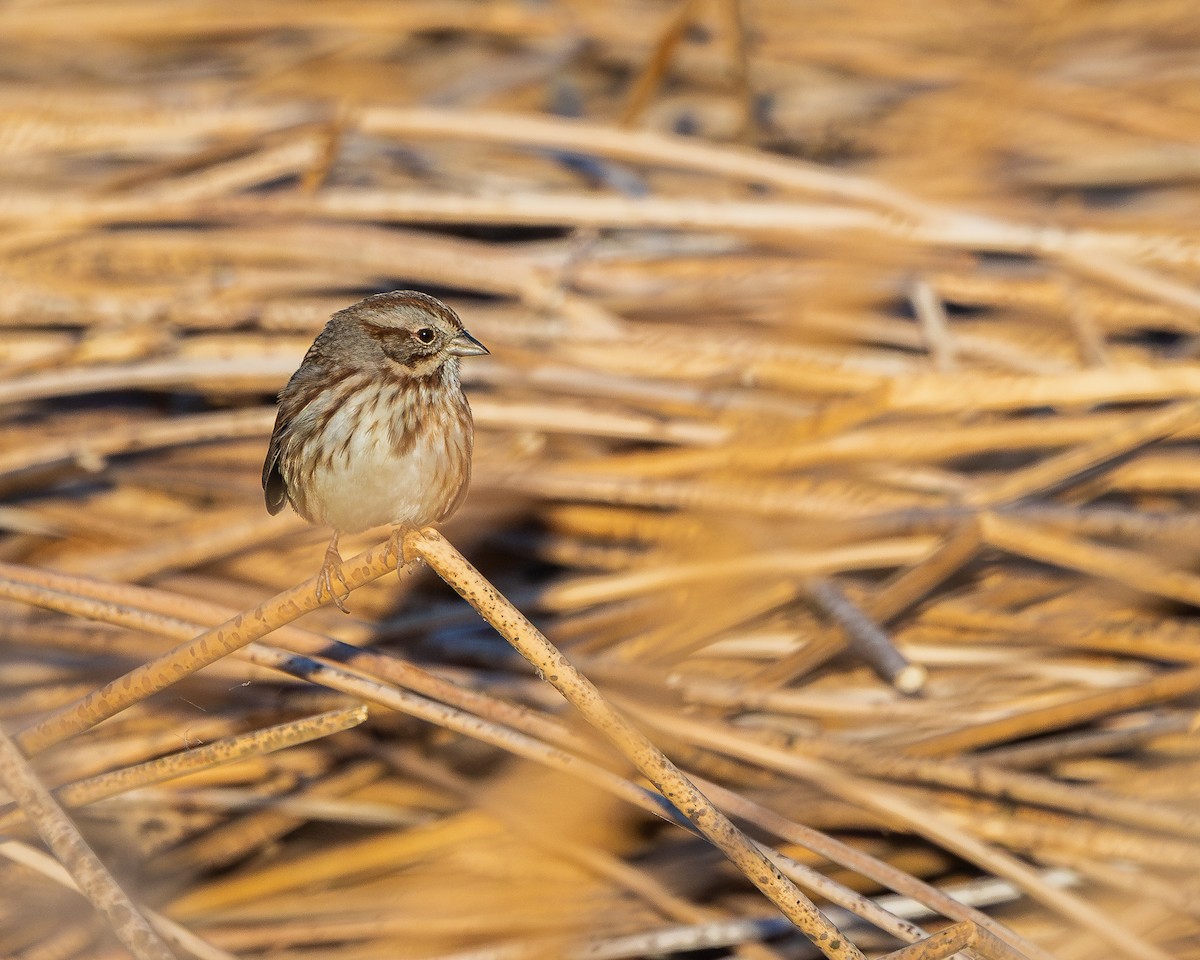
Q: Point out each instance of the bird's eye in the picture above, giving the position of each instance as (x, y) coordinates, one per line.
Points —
(425, 335)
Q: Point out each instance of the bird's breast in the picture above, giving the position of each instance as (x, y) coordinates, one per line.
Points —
(381, 461)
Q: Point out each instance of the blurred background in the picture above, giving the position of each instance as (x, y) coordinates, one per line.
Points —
(840, 423)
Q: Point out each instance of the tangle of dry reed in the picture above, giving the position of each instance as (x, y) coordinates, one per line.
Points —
(836, 462)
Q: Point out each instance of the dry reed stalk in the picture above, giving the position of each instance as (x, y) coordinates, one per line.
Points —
(1028, 829)
(1084, 252)
(86, 869)
(894, 807)
(960, 936)
(886, 874)
(231, 750)
(165, 609)
(1090, 743)
(381, 694)
(1165, 687)
(1007, 785)
(674, 909)
(866, 639)
(819, 367)
(638, 882)
(553, 667)
(234, 840)
(168, 929)
(388, 668)
(207, 648)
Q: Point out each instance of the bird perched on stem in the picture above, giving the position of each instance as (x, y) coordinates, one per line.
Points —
(374, 427)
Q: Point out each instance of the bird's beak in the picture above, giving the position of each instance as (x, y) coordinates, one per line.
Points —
(465, 345)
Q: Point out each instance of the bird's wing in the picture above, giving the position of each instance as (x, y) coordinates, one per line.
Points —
(275, 490)
(297, 397)
(460, 494)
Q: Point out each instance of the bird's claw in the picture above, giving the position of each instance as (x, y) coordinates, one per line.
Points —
(399, 548)
(330, 569)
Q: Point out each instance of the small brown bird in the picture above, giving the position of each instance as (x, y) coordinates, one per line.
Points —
(374, 427)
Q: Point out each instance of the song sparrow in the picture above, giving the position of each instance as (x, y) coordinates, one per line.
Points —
(373, 427)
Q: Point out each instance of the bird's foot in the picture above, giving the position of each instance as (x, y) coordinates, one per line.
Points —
(399, 548)
(331, 570)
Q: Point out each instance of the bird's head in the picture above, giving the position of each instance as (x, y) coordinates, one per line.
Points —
(412, 331)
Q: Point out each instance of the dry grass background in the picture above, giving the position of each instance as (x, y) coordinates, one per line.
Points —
(840, 424)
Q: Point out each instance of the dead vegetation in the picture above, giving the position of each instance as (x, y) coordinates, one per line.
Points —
(840, 427)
